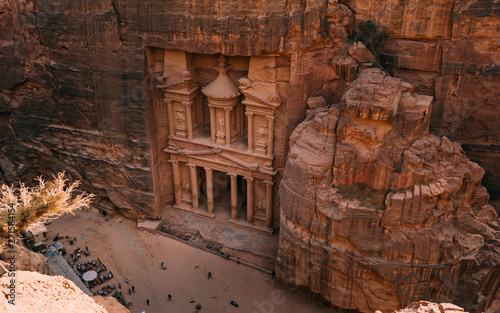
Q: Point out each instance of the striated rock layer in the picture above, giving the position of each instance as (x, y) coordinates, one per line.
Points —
(377, 213)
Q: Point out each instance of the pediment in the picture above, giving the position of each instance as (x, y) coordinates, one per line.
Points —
(185, 87)
(255, 99)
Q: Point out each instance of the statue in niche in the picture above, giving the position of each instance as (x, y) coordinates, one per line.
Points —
(261, 132)
(186, 185)
(220, 125)
(261, 204)
(180, 118)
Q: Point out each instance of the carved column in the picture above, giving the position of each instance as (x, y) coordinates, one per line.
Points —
(250, 132)
(228, 126)
(270, 135)
(234, 197)
(213, 124)
(189, 120)
(171, 130)
(210, 190)
(249, 199)
(177, 182)
(194, 186)
(269, 203)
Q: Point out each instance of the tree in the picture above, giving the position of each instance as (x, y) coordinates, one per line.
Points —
(22, 206)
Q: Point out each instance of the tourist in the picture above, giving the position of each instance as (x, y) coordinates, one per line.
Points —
(129, 291)
(86, 248)
(126, 280)
(169, 297)
(233, 303)
(147, 301)
(119, 286)
(238, 261)
(209, 275)
(133, 289)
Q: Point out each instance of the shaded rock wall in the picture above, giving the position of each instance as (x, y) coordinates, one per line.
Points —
(376, 213)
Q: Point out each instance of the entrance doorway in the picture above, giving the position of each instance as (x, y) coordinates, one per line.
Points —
(222, 195)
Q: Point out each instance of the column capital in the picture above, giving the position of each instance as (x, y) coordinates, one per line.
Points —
(168, 101)
(270, 117)
(232, 175)
(268, 183)
(228, 109)
(208, 169)
(249, 114)
(173, 161)
(248, 178)
(186, 103)
(191, 165)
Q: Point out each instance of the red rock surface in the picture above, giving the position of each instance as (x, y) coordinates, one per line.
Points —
(377, 213)
(73, 92)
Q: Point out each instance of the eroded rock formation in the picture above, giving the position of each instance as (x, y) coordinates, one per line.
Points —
(376, 212)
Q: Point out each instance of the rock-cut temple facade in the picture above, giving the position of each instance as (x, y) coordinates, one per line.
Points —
(217, 127)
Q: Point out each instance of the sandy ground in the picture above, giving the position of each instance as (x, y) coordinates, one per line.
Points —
(137, 255)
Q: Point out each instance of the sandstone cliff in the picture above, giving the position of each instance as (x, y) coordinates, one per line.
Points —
(74, 95)
(377, 213)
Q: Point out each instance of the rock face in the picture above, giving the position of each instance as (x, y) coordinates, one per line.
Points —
(36, 292)
(448, 49)
(377, 213)
(74, 94)
(26, 260)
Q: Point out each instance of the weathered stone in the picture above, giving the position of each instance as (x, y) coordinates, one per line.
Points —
(360, 53)
(383, 207)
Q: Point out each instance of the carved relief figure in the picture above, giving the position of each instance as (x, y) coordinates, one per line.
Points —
(220, 125)
(261, 132)
(180, 118)
(186, 185)
(261, 204)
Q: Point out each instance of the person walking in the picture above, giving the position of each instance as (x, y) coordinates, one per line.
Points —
(169, 297)
(147, 301)
(209, 275)
(133, 289)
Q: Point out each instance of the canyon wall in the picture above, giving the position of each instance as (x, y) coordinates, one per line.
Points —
(75, 93)
(377, 213)
(448, 49)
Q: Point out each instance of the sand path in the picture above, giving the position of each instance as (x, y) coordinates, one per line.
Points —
(136, 255)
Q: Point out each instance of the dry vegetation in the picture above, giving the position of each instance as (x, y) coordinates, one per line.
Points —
(21, 206)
